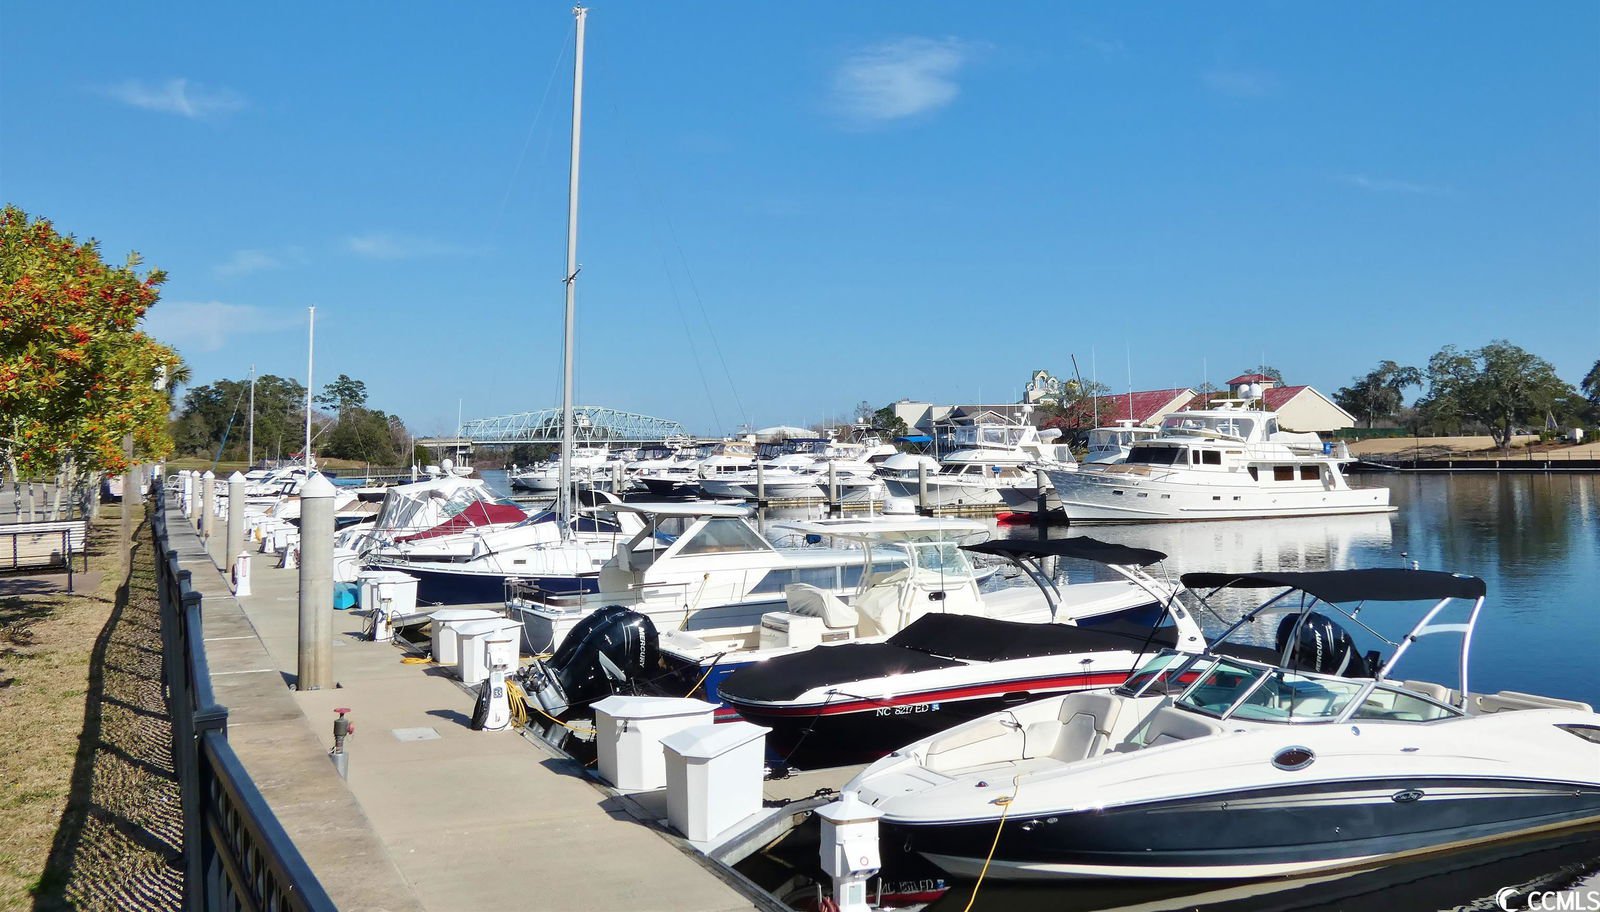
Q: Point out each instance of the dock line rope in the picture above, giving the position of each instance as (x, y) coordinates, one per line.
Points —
(1005, 809)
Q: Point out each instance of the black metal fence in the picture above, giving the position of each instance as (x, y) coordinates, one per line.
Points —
(236, 855)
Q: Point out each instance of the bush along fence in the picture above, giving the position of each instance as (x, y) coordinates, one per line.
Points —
(236, 855)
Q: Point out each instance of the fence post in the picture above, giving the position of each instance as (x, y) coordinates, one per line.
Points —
(315, 671)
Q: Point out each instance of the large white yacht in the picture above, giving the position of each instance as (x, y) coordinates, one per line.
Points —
(1230, 462)
(986, 459)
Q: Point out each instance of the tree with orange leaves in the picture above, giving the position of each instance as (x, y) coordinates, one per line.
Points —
(77, 376)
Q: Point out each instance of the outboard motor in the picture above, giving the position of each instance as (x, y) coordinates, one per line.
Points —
(610, 650)
(1322, 647)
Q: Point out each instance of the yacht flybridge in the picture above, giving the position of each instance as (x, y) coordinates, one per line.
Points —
(1309, 756)
(1222, 463)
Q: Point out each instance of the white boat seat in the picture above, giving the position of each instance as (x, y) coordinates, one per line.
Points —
(1169, 726)
(987, 741)
(879, 606)
(1510, 700)
(819, 603)
(1082, 730)
(1432, 691)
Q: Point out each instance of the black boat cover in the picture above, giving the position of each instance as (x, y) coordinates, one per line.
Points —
(1337, 586)
(786, 677)
(1080, 547)
(930, 642)
(982, 639)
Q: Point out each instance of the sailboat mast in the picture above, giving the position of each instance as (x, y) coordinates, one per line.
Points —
(564, 496)
(311, 347)
(251, 452)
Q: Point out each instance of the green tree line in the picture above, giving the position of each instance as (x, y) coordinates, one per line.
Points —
(214, 420)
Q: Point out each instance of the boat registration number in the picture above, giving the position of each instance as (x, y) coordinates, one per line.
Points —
(908, 709)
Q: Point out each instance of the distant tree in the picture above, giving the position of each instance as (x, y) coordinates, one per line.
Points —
(77, 376)
(1380, 393)
(1591, 390)
(218, 413)
(887, 424)
(1499, 385)
(343, 394)
(1267, 370)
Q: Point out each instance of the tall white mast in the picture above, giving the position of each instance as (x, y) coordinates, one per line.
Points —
(564, 495)
(251, 455)
(311, 347)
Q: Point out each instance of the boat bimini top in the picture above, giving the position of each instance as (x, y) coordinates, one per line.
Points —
(1309, 645)
(1029, 556)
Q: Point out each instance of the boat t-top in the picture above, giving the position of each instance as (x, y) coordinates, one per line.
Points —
(1312, 755)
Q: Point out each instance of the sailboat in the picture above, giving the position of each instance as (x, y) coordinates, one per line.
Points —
(570, 560)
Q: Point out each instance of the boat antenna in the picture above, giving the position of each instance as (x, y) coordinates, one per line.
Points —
(311, 346)
(564, 496)
(1130, 382)
(251, 452)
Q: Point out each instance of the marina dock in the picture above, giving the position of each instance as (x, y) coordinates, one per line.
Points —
(434, 815)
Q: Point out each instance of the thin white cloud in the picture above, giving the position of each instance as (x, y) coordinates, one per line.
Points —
(177, 96)
(1108, 48)
(204, 326)
(381, 245)
(1390, 185)
(1240, 83)
(245, 262)
(897, 79)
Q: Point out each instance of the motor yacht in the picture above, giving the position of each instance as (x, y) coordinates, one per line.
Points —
(789, 476)
(689, 566)
(987, 458)
(1232, 462)
(922, 649)
(1312, 755)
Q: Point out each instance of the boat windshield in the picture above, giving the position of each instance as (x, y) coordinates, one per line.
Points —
(1161, 675)
(1227, 425)
(944, 558)
(1237, 691)
(988, 435)
(722, 535)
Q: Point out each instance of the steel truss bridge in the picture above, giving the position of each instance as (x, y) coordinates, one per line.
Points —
(591, 423)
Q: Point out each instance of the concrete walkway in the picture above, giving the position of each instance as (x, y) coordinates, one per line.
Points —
(470, 820)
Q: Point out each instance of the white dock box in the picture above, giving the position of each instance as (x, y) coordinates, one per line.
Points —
(389, 590)
(714, 777)
(442, 629)
(472, 655)
(628, 733)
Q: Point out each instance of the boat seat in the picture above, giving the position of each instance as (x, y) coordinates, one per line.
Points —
(879, 606)
(1169, 726)
(1428, 689)
(1510, 700)
(811, 601)
(1082, 730)
(987, 741)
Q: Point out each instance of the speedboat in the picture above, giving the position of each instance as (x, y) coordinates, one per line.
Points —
(432, 516)
(1231, 462)
(851, 702)
(1309, 756)
(690, 566)
(987, 459)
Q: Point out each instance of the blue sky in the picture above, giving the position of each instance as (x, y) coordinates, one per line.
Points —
(789, 208)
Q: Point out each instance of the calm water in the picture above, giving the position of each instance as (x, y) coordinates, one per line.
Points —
(1535, 540)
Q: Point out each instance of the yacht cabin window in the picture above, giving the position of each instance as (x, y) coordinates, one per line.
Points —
(1310, 473)
(1156, 455)
(1272, 426)
(1283, 473)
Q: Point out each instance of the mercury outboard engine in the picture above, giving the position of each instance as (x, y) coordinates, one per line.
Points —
(608, 651)
(1322, 647)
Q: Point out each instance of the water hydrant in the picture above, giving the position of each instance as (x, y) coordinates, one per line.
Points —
(342, 729)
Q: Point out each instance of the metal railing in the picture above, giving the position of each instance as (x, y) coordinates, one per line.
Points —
(236, 854)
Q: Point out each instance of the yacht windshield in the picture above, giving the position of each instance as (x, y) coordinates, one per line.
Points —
(1237, 691)
(1228, 425)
